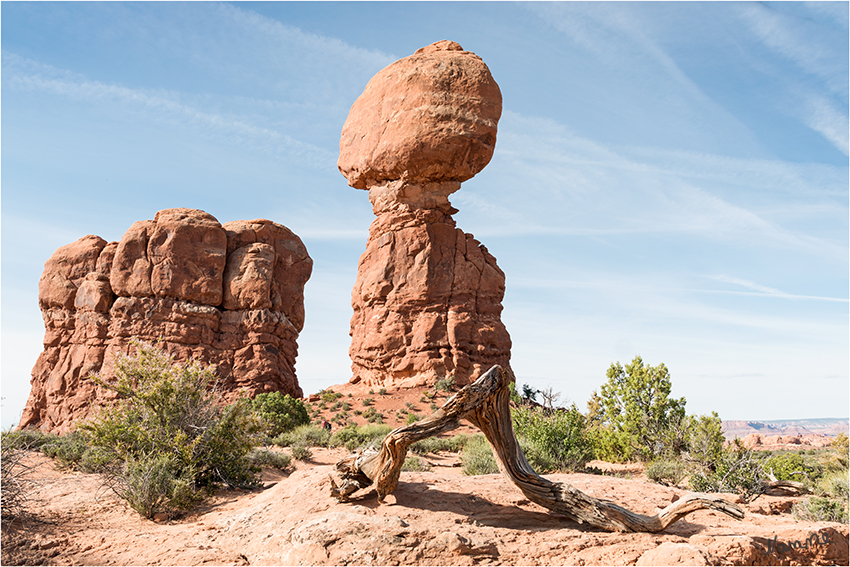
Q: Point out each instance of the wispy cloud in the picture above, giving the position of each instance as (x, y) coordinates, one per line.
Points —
(159, 105)
(817, 50)
(822, 116)
(592, 189)
(766, 291)
(802, 41)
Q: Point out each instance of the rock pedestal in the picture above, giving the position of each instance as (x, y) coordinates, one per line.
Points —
(427, 301)
(229, 295)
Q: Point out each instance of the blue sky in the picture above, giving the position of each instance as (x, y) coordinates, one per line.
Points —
(670, 179)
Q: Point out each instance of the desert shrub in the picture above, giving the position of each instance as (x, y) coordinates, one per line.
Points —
(263, 457)
(306, 435)
(415, 463)
(67, 449)
(368, 402)
(737, 470)
(540, 461)
(154, 484)
(412, 418)
(705, 439)
(382, 392)
(279, 412)
(818, 509)
(841, 445)
(301, 452)
(668, 472)
(446, 384)
(329, 396)
(373, 416)
(477, 457)
(559, 438)
(515, 397)
(15, 474)
(453, 444)
(834, 484)
(353, 437)
(609, 445)
(28, 439)
(76, 450)
(168, 433)
(793, 466)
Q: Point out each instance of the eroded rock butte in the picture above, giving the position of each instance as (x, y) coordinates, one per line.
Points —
(427, 300)
(229, 295)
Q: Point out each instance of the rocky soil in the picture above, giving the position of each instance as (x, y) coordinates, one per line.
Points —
(439, 517)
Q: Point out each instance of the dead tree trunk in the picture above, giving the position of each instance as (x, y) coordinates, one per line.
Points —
(485, 404)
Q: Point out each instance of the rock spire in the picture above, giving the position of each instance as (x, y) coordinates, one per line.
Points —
(427, 300)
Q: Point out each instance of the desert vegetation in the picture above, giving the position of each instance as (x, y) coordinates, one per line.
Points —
(169, 439)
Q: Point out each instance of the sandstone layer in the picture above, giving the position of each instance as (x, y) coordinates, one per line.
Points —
(427, 300)
(229, 295)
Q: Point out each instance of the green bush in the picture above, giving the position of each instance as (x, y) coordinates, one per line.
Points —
(794, 466)
(306, 435)
(540, 461)
(477, 457)
(279, 412)
(705, 439)
(154, 484)
(412, 418)
(446, 384)
(669, 472)
(329, 396)
(559, 438)
(263, 457)
(609, 445)
(817, 509)
(301, 452)
(353, 437)
(29, 439)
(834, 484)
(415, 463)
(434, 444)
(167, 435)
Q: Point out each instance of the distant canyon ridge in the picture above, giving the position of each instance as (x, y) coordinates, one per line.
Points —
(785, 428)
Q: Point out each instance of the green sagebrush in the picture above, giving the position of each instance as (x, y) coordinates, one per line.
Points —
(555, 440)
(279, 412)
(169, 434)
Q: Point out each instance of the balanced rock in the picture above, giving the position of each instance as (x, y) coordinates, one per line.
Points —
(230, 295)
(427, 300)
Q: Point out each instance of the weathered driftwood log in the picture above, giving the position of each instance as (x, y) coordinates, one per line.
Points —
(485, 404)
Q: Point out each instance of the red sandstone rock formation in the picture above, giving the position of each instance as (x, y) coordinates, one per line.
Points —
(427, 301)
(229, 295)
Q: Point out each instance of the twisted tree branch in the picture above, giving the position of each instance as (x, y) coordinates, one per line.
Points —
(485, 404)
